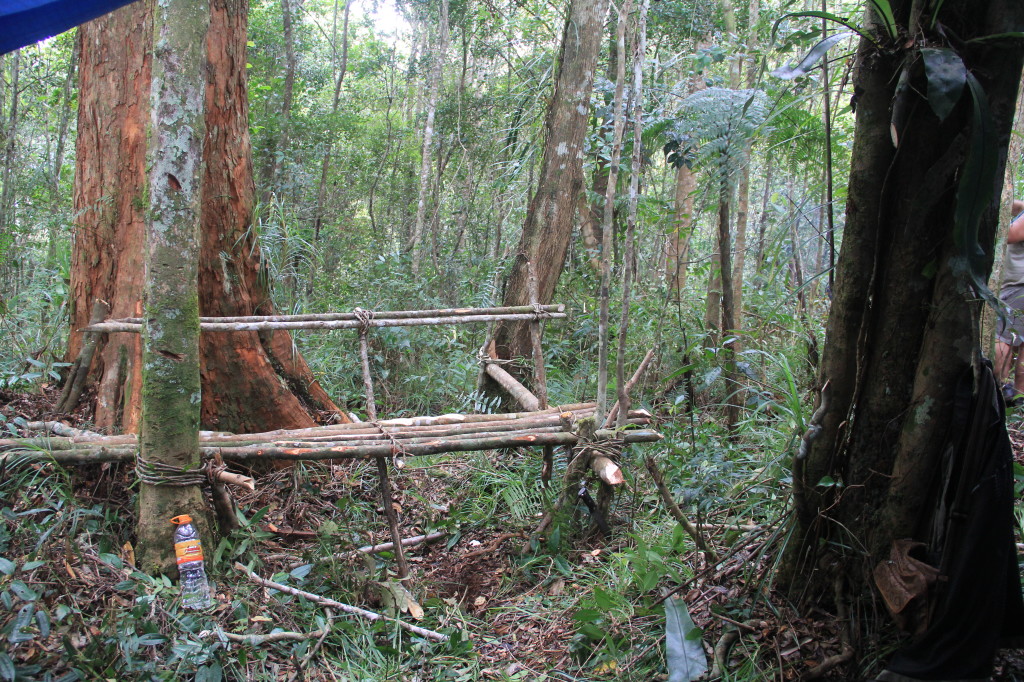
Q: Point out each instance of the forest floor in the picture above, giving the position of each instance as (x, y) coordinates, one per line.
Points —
(579, 608)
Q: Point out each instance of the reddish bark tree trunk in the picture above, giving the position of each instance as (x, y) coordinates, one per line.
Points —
(250, 382)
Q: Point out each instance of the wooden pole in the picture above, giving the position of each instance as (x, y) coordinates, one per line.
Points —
(382, 464)
(87, 454)
(387, 314)
(522, 394)
(264, 325)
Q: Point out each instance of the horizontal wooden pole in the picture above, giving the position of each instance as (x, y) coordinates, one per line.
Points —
(385, 314)
(86, 455)
(136, 327)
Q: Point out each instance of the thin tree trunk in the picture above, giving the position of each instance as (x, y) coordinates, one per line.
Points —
(7, 217)
(762, 221)
(58, 156)
(548, 227)
(604, 294)
(170, 381)
(636, 166)
(325, 164)
(733, 399)
(678, 242)
(436, 76)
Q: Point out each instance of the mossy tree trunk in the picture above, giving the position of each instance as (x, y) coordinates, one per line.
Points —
(170, 374)
(904, 322)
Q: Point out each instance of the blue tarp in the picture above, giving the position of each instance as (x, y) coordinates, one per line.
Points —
(23, 22)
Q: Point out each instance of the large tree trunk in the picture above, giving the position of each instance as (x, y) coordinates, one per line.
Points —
(249, 382)
(903, 327)
(548, 227)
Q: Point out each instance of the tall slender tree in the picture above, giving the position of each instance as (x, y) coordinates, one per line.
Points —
(547, 229)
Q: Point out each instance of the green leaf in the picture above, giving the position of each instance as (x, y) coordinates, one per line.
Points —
(977, 183)
(1013, 35)
(684, 653)
(828, 16)
(7, 566)
(884, 12)
(947, 76)
(43, 621)
(6, 667)
(23, 591)
(210, 673)
(301, 572)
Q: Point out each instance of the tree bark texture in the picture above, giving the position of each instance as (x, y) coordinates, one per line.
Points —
(249, 380)
(903, 327)
(548, 227)
(170, 374)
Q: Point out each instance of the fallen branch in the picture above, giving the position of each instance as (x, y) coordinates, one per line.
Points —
(492, 545)
(370, 549)
(269, 638)
(352, 610)
(515, 389)
(676, 512)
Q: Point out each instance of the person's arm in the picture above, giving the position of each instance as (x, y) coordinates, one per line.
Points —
(1016, 232)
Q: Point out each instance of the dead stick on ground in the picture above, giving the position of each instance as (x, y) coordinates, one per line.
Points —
(676, 512)
(298, 674)
(368, 549)
(353, 610)
(492, 545)
(269, 638)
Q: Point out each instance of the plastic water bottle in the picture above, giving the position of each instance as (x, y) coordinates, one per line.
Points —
(195, 588)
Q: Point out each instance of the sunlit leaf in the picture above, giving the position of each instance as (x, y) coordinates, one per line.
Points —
(813, 57)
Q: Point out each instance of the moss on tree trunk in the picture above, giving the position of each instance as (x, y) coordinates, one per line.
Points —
(171, 393)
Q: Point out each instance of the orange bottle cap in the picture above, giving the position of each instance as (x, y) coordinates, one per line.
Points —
(179, 520)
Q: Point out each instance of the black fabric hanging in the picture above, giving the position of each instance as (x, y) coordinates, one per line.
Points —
(976, 605)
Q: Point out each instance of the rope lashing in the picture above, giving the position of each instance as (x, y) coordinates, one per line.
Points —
(161, 474)
(364, 317)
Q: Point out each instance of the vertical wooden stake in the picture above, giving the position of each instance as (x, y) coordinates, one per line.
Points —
(540, 380)
(382, 465)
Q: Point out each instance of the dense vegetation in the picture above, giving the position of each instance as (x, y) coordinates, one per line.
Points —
(339, 106)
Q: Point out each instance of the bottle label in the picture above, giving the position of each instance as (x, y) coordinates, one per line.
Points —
(188, 550)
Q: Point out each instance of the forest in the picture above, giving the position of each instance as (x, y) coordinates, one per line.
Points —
(512, 340)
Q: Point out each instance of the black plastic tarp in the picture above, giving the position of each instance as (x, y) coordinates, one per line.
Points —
(23, 22)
